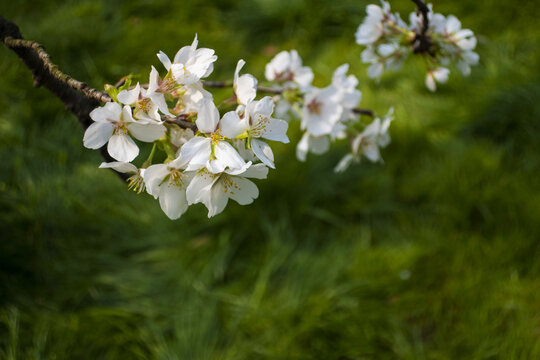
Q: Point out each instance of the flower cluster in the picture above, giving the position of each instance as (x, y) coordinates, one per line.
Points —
(205, 154)
(208, 166)
(326, 114)
(389, 41)
(210, 156)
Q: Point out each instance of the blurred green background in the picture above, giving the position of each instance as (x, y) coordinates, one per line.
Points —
(433, 255)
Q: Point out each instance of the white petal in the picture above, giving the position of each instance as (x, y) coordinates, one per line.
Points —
(246, 89)
(122, 148)
(129, 97)
(239, 65)
(146, 132)
(386, 49)
(464, 68)
(371, 151)
(452, 24)
(368, 55)
(208, 117)
(226, 157)
(240, 170)
(123, 167)
(197, 151)
(430, 82)
(164, 60)
(97, 135)
(265, 106)
(242, 190)
(375, 70)
(109, 113)
(179, 163)
(153, 177)
(344, 163)
(277, 65)
(372, 129)
(319, 144)
(172, 200)
(126, 114)
(198, 190)
(303, 147)
(467, 44)
(303, 76)
(182, 55)
(231, 125)
(257, 171)
(470, 57)
(263, 151)
(159, 99)
(441, 75)
(374, 11)
(153, 80)
(276, 130)
(217, 200)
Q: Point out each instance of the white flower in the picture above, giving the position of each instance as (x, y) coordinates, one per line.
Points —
(157, 90)
(322, 110)
(374, 136)
(346, 85)
(439, 75)
(145, 108)
(169, 182)
(390, 55)
(245, 86)
(190, 64)
(192, 97)
(309, 143)
(136, 181)
(259, 124)
(211, 150)
(372, 28)
(463, 38)
(115, 125)
(215, 190)
(467, 59)
(181, 136)
(286, 67)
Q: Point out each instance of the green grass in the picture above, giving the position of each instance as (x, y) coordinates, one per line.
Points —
(434, 255)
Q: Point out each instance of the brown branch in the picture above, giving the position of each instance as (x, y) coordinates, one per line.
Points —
(363, 112)
(181, 120)
(422, 41)
(77, 96)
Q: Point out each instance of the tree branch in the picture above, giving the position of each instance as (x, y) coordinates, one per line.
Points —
(422, 41)
(363, 112)
(77, 96)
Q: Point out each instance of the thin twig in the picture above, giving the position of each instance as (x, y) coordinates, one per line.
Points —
(363, 112)
(181, 120)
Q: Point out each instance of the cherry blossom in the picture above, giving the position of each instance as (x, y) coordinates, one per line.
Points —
(211, 149)
(168, 183)
(286, 68)
(114, 124)
(215, 190)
